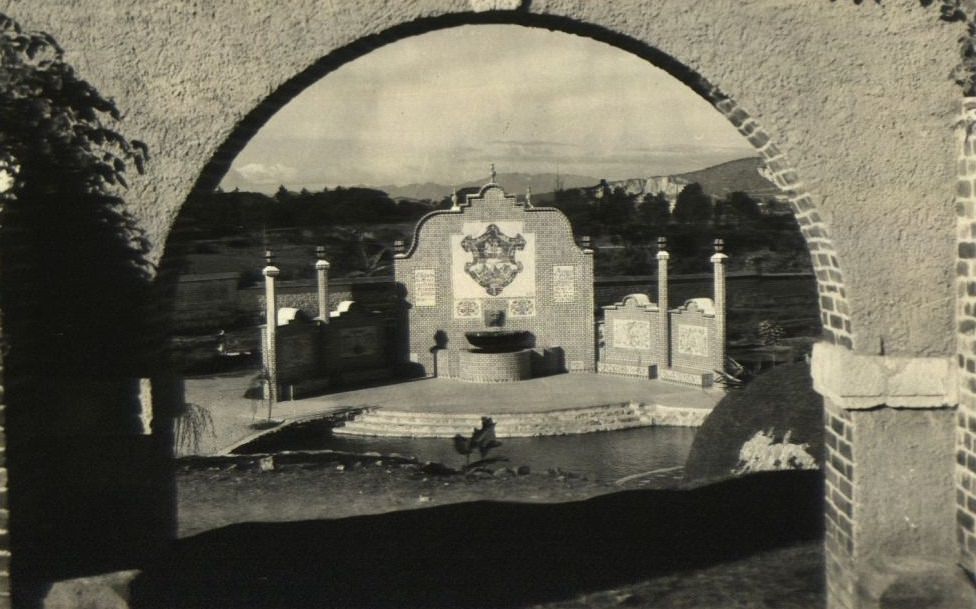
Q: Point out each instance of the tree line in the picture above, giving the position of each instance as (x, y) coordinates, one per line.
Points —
(628, 226)
(624, 225)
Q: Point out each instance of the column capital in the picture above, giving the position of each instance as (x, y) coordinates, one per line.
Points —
(856, 382)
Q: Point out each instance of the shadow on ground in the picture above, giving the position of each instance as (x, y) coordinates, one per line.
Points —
(484, 554)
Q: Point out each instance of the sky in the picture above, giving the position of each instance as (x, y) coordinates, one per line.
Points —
(439, 107)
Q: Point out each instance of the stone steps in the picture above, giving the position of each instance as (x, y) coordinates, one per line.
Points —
(381, 422)
(570, 414)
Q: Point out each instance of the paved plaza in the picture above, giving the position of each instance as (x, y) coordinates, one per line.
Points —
(557, 392)
(233, 414)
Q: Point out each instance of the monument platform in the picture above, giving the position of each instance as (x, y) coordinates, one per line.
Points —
(553, 405)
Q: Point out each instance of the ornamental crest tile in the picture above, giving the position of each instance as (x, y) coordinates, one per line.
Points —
(493, 265)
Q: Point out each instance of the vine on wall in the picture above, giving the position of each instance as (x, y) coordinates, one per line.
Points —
(954, 11)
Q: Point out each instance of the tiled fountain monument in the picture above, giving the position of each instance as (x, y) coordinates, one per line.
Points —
(495, 291)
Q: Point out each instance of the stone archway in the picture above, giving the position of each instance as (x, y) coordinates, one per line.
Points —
(834, 305)
(833, 298)
(820, 76)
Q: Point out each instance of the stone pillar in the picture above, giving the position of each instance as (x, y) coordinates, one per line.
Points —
(270, 359)
(889, 497)
(322, 272)
(664, 320)
(718, 265)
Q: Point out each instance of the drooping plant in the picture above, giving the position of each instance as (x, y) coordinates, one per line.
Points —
(482, 440)
(192, 426)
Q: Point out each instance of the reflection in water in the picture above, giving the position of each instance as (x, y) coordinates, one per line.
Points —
(603, 456)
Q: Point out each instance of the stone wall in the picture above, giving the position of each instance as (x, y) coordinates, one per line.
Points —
(298, 350)
(788, 298)
(356, 340)
(206, 301)
(374, 293)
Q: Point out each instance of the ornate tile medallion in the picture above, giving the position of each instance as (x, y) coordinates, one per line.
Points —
(493, 265)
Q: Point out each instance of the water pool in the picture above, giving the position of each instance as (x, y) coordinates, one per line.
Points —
(606, 456)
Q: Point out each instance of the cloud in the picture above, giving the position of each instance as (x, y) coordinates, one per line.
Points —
(260, 173)
(441, 106)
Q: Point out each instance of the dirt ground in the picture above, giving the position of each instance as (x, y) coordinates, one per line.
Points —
(226, 494)
(211, 497)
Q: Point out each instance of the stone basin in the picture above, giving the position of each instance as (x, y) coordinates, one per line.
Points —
(498, 341)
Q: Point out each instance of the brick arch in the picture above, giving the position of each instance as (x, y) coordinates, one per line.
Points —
(833, 303)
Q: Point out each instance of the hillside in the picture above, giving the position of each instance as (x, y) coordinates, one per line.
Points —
(741, 175)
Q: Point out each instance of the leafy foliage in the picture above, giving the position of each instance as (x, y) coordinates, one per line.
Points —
(75, 276)
(358, 226)
(693, 206)
(954, 11)
(51, 117)
(770, 332)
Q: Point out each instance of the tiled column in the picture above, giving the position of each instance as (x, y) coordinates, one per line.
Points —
(664, 319)
(718, 266)
(966, 336)
(322, 272)
(4, 514)
(270, 272)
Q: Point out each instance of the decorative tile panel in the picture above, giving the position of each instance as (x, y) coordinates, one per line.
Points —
(424, 288)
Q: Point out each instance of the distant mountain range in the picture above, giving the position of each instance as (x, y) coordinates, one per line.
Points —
(742, 175)
(511, 182)
(746, 175)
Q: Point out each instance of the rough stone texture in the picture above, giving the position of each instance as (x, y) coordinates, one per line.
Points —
(825, 83)
(904, 482)
(109, 591)
(849, 103)
(857, 381)
(916, 582)
(888, 493)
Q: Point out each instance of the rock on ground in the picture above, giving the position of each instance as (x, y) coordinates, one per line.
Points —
(778, 402)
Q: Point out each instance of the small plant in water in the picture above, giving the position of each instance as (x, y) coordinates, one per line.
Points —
(192, 425)
(770, 332)
(482, 440)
